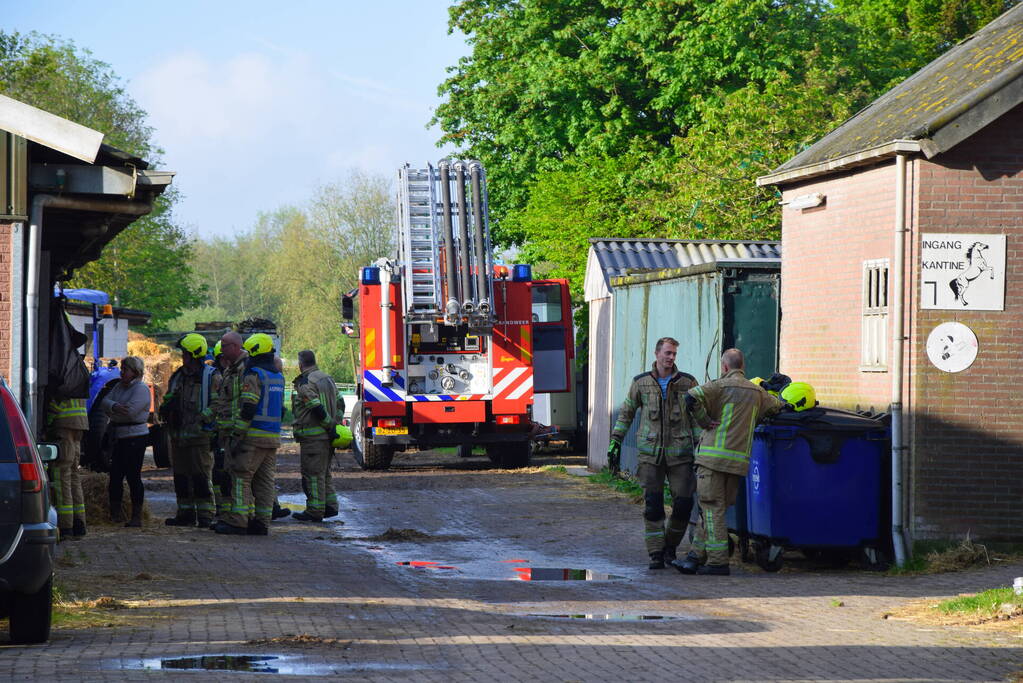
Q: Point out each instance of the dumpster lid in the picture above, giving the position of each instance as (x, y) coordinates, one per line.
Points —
(827, 419)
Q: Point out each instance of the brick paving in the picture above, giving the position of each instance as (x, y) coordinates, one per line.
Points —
(210, 595)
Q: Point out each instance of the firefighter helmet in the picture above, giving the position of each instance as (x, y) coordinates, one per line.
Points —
(216, 349)
(342, 436)
(259, 343)
(757, 380)
(193, 344)
(799, 395)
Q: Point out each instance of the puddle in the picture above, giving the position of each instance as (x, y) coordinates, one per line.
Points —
(617, 616)
(256, 664)
(555, 574)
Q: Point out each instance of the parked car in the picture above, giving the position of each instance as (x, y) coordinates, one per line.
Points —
(28, 526)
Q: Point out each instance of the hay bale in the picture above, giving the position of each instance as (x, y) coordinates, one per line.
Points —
(965, 555)
(97, 503)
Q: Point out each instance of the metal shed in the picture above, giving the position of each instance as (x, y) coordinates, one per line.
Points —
(708, 294)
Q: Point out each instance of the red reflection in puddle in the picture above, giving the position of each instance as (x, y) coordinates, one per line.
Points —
(421, 564)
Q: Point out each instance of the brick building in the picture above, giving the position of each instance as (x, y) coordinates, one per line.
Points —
(936, 166)
(63, 196)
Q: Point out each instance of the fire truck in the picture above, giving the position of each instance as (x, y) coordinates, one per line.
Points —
(452, 346)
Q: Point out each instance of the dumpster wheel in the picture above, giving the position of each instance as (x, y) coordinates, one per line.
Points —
(768, 557)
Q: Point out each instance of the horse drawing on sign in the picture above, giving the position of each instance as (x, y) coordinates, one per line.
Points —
(975, 256)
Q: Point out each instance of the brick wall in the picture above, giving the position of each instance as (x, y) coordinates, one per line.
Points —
(822, 269)
(5, 299)
(968, 426)
(965, 430)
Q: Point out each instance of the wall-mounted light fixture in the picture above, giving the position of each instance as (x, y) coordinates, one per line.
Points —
(805, 201)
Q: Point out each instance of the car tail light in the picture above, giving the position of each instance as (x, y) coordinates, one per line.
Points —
(389, 422)
(508, 419)
(30, 467)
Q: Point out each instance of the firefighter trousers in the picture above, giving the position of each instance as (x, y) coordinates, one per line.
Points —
(252, 470)
(193, 468)
(67, 486)
(659, 535)
(716, 491)
(315, 461)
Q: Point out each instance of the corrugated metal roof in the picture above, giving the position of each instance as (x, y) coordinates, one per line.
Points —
(941, 93)
(610, 258)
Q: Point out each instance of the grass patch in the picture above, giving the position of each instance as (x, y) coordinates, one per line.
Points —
(556, 469)
(938, 557)
(624, 483)
(987, 603)
(70, 611)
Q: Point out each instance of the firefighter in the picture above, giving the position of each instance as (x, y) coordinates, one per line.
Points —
(728, 410)
(67, 422)
(665, 439)
(314, 405)
(219, 413)
(185, 411)
(253, 442)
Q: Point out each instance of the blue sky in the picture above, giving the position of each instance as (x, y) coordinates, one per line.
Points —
(256, 103)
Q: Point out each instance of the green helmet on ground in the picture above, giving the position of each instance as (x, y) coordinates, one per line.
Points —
(799, 395)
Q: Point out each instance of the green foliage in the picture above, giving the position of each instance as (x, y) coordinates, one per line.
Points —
(987, 603)
(56, 76)
(652, 119)
(146, 266)
(295, 263)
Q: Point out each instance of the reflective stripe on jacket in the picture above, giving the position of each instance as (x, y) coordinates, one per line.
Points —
(67, 414)
(736, 405)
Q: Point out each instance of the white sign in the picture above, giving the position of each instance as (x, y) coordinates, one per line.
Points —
(962, 272)
(952, 347)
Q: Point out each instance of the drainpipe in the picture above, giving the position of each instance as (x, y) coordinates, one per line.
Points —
(35, 230)
(385, 320)
(897, 271)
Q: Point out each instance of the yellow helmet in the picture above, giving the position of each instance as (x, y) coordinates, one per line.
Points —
(799, 395)
(193, 344)
(258, 343)
(343, 437)
(757, 380)
(216, 349)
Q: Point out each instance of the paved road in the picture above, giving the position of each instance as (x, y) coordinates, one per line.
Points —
(339, 604)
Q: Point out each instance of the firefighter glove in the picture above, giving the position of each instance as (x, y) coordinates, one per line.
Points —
(614, 457)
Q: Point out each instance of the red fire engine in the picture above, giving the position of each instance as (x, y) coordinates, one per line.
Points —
(452, 347)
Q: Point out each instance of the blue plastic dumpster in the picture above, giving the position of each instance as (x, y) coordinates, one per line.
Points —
(817, 482)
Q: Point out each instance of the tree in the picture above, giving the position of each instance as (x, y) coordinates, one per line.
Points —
(146, 266)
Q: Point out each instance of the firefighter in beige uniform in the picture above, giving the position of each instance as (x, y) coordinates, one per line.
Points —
(728, 409)
(665, 442)
(67, 422)
(314, 405)
(255, 437)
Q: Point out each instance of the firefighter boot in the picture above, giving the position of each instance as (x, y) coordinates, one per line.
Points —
(257, 528)
(656, 560)
(136, 517)
(690, 565)
(183, 518)
(279, 512)
(307, 517)
(714, 570)
(79, 528)
(329, 512)
(225, 528)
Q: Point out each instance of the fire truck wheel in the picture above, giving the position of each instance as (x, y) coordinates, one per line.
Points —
(370, 456)
(511, 455)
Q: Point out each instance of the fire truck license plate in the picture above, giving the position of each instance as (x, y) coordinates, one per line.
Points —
(388, 431)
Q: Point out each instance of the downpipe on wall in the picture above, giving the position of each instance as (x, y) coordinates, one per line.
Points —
(898, 323)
